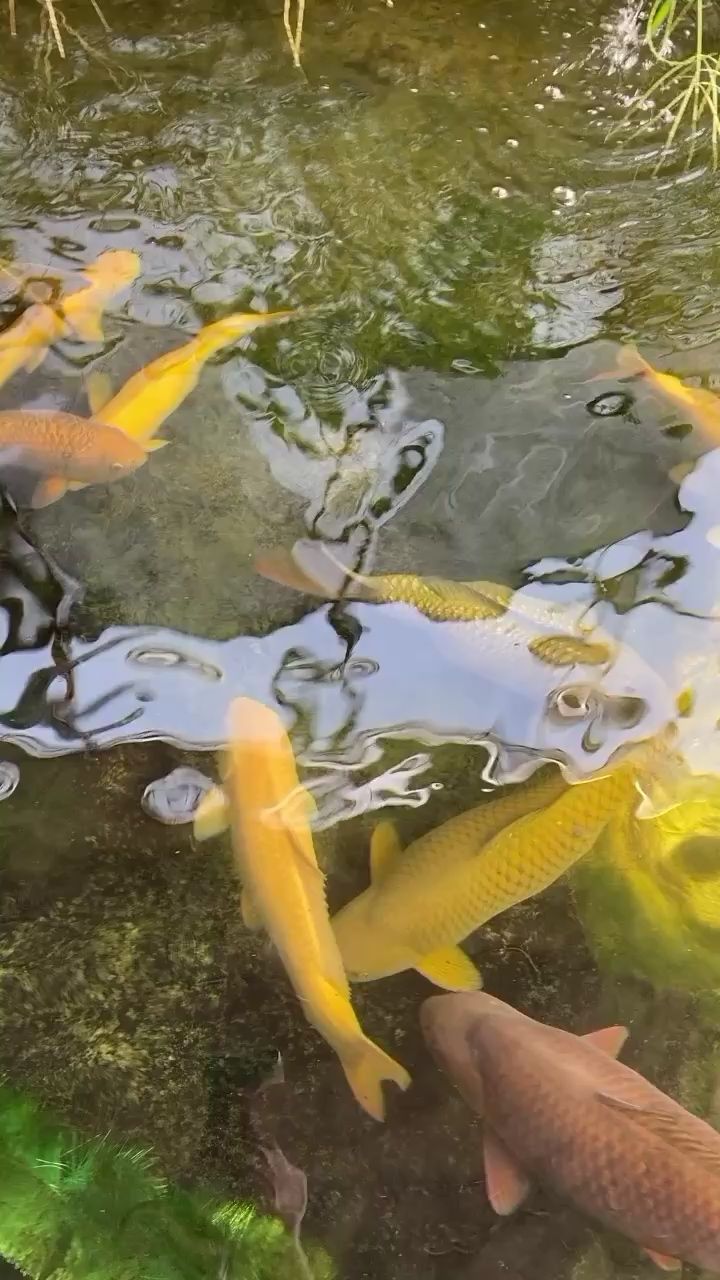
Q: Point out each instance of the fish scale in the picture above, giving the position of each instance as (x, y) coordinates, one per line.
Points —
(560, 1110)
(458, 877)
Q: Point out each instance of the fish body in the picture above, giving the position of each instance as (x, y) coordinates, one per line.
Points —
(701, 406)
(60, 445)
(284, 889)
(424, 901)
(558, 1108)
(507, 617)
(25, 344)
(152, 394)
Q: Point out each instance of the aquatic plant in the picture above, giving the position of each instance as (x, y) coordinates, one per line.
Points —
(691, 79)
(78, 1208)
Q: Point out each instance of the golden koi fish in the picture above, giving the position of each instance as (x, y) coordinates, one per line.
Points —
(423, 902)
(66, 450)
(312, 568)
(25, 344)
(152, 394)
(701, 406)
(284, 889)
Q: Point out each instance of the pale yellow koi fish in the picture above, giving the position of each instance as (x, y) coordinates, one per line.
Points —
(311, 567)
(25, 344)
(284, 889)
(422, 902)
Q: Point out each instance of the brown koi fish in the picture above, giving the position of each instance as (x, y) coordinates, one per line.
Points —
(559, 1108)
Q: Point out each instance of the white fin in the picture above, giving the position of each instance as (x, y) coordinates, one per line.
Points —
(212, 815)
(251, 916)
(505, 1182)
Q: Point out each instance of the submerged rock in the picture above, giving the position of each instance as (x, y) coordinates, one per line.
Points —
(175, 798)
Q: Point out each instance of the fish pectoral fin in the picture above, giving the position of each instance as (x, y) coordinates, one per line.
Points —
(152, 446)
(506, 1183)
(609, 1039)
(99, 390)
(663, 1260)
(212, 815)
(450, 968)
(385, 848)
(47, 491)
(248, 909)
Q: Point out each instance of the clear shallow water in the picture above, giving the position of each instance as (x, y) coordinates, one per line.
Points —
(431, 403)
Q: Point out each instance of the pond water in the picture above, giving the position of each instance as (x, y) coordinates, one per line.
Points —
(437, 193)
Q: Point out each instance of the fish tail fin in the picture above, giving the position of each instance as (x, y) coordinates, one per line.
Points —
(222, 332)
(313, 568)
(366, 1068)
(628, 363)
(365, 1064)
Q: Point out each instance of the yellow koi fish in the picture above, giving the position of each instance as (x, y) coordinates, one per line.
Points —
(152, 394)
(311, 567)
(25, 344)
(423, 902)
(701, 406)
(65, 450)
(284, 889)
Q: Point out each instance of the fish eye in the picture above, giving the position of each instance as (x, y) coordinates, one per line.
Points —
(116, 466)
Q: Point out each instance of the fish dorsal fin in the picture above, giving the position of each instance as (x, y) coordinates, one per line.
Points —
(609, 1039)
(450, 968)
(385, 848)
(664, 1260)
(99, 390)
(212, 815)
(505, 1182)
(678, 1128)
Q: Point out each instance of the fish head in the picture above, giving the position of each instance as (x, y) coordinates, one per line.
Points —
(114, 269)
(106, 455)
(447, 1024)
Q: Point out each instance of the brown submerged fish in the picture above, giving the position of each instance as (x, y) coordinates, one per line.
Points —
(558, 1107)
(65, 450)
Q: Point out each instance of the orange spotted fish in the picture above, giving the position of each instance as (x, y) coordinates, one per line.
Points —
(66, 451)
